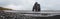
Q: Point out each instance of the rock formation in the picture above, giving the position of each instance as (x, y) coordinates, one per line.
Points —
(36, 7)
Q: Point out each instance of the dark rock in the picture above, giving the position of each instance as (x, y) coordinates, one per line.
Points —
(36, 7)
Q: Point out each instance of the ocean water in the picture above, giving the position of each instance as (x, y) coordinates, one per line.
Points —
(32, 13)
(29, 11)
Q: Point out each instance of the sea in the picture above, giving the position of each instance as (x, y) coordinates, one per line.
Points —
(36, 14)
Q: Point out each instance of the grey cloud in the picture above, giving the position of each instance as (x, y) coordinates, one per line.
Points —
(28, 4)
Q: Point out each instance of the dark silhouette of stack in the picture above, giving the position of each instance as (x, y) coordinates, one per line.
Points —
(36, 7)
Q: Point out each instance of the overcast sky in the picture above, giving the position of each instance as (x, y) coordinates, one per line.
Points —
(28, 4)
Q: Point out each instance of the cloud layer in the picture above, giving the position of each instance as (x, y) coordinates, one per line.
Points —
(28, 4)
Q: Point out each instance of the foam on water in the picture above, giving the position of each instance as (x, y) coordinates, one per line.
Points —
(52, 13)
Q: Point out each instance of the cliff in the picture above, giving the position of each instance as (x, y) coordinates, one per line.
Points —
(1, 8)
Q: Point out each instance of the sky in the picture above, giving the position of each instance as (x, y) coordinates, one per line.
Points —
(28, 4)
